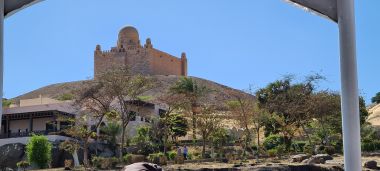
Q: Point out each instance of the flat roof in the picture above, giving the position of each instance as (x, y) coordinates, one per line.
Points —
(66, 107)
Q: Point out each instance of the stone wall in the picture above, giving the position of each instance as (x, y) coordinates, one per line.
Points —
(144, 60)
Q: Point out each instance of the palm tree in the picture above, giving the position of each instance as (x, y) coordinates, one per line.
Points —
(112, 130)
(192, 92)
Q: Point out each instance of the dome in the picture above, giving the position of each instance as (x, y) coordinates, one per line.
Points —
(128, 36)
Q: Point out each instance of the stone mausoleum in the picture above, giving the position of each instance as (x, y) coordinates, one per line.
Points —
(140, 59)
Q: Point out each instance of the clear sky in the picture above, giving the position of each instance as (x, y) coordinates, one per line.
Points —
(232, 42)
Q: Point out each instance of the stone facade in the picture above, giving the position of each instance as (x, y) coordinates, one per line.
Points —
(140, 59)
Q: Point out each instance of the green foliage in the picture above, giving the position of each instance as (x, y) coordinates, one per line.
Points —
(155, 157)
(104, 163)
(273, 141)
(272, 152)
(69, 146)
(376, 98)
(220, 137)
(6, 102)
(371, 146)
(363, 110)
(171, 155)
(177, 124)
(143, 141)
(66, 96)
(127, 159)
(329, 150)
(145, 98)
(112, 130)
(23, 164)
(38, 151)
(299, 146)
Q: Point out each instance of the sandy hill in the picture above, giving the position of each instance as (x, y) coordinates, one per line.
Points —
(374, 117)
(219, 94)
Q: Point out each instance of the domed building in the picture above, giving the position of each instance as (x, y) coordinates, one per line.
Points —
(140, 59)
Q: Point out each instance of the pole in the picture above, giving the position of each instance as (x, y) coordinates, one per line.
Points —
(1, 57)
(349, 86)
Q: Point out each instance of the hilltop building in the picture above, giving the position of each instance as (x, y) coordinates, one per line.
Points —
(140, 59)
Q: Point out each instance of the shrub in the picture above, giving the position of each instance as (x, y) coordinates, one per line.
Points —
(127, 159)
(171, 155)
(157, 158)
(330, 150)
(38, 151)
(299, 146)
(371, 146)
(23, 165)
(272, 141)
(272, 152)
(104, 163)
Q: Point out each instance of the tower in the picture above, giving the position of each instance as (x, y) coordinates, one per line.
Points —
(144, 60)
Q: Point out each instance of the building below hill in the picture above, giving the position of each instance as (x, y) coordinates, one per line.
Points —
(140, 59)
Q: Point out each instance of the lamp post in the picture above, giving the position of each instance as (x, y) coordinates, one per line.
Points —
(7, 8)
(342, 12)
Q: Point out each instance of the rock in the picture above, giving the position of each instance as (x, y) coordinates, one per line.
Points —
(137, 158)
(10, 154)
(315, 160)
(299, 158)
(324, 156)
(142, 166)
(372, 164)
(106, 153)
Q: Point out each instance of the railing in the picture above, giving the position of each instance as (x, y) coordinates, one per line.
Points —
(25, 134)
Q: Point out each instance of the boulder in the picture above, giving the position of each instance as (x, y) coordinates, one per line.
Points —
(372, 164)
(298, 158)
(10, 154)
(106, 153)
(314, 160)
(142, 166)
(324, 156)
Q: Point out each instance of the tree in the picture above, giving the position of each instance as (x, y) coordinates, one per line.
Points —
(288, 102)
(38, 151)
(208, 121)
(193, 93)
(376, 98)
(126, 88)
(242, 109)
(94, 103)
(171, 123)
(72, 148)
(111, 131)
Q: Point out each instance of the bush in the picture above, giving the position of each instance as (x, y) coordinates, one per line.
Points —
(272, 152)
(157, 158)
(104, 163)
(330, 150)
(273, 141)
(171, 155)
(371, 146)
(299, 146)
(38, 151)
(127, 159)
(23, 165)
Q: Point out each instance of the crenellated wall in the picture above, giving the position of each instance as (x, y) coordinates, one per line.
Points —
(144, 60)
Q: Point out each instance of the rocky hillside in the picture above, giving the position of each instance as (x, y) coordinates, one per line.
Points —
(374, 117)
(218, 95)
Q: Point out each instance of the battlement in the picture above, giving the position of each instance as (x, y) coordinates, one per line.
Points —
(142, 59)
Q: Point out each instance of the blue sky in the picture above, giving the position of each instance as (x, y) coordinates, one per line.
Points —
(236, 43)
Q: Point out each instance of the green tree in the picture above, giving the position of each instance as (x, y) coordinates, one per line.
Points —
(376, 98)
(111, 131)
(121, 84)
(6, 102)
(208, 121)
(193, 93)
(71, 147)
(38, 151)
